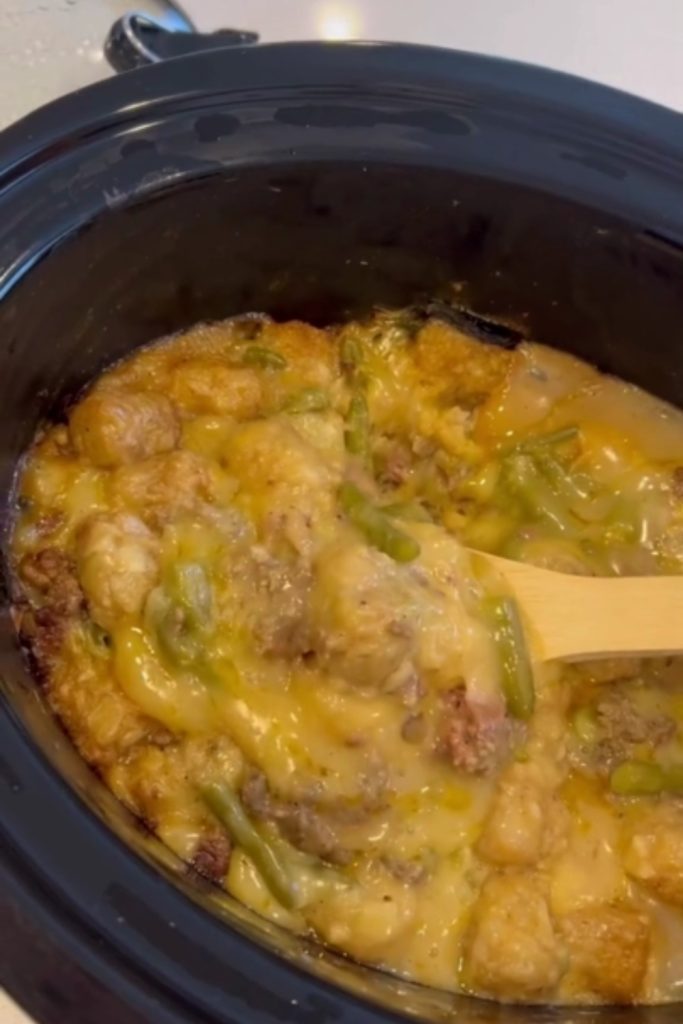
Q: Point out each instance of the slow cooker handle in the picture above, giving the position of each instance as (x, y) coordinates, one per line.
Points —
(136, 40)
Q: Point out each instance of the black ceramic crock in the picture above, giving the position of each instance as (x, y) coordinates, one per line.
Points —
(307, 180)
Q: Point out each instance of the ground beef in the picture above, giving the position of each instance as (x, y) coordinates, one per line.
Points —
(472, 737)
(42, 630)
(623, 728)
(281, 629)
(256, 796)
(423, 447)
(300, 822)
(52, 573)
(48, 523)
(306, 829)
(212, 856)
(374, 786)
(396, 464)
(285, 635)
(410, 872)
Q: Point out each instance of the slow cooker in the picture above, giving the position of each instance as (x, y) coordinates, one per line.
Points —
(314, 181)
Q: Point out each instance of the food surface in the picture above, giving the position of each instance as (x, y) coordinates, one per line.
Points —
(243, 575)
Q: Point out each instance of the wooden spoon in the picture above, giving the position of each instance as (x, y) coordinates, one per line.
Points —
(573, 618)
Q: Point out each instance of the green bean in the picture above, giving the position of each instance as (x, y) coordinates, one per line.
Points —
(378, 530)
(258, 355)
(637, 778)
(227, 807)
(156, 606)
(357, 435)
(673, 779)
(567, 486)
(180, 644)
(586, 502)
(535, 492)
(622, 525)
(551, 440)
(571, 487)
(190, 587)
(517, 675)
(310, 400)
(563, 554)
(585, 725)
(180, 613)
(166, 619)
(350, 353)
(407, 510)
(644, 778)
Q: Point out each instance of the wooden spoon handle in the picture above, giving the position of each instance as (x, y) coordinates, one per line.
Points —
(573, 618)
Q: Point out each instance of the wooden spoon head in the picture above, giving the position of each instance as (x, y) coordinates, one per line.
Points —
(576, 618)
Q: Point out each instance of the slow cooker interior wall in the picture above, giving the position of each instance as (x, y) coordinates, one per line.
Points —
(326, 241)
(322, 242)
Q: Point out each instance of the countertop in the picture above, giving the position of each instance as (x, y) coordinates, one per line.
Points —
(48, 47)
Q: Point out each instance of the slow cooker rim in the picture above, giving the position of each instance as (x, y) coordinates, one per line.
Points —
(139, 93)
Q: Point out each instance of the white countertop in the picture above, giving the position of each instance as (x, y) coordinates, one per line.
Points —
(47, 48)
(632, 44)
